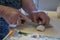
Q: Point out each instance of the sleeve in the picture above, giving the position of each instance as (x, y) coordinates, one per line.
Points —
(4, 28)
(2, 2)
(14, 3)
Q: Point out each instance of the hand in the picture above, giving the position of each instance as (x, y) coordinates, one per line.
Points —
(40, 16)
(16, 18)
(12, 15)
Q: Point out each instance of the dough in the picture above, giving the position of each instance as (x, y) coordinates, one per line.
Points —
(40, 28)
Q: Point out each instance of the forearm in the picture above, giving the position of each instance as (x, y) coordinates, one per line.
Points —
(1, 11)
(28, 6)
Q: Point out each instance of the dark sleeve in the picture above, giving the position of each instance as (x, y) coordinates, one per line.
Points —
(4, 28)
(2, 2)
(12, 3)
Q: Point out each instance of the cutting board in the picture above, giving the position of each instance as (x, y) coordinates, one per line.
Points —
(54, 31)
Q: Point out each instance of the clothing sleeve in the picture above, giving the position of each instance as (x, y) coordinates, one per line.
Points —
(4, 28)
(14, 3)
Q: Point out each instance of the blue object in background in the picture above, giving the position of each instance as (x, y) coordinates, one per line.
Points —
(12, 3)
(4, 28)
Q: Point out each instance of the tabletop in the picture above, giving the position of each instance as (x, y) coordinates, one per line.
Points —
(54, 31)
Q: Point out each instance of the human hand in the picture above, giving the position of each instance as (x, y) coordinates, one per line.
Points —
(40, 16)
(12, 15)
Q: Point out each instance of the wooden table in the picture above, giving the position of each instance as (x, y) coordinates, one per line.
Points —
(54, 31)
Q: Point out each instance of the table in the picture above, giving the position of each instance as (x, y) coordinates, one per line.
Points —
(54, 31)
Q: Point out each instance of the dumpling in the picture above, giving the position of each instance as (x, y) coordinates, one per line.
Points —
(40, 28)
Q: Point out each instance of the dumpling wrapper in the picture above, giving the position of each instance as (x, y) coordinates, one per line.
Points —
(40, 28)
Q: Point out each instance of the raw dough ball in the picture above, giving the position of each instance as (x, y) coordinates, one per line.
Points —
(41, 28)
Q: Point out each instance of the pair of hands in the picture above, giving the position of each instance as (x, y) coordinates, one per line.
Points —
(15, 18)
(38, 17)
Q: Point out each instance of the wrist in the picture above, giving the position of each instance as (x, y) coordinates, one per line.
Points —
(36, 12)
(33, 12)
(12, 25)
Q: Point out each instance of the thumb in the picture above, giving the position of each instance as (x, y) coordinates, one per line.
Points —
(34, 19)
(43, 21)
(27, 19)
(19, 21)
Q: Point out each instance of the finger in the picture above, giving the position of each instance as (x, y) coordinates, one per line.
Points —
(47, 21)
(34, 19)
(43, 20)
(25, 18)
(18, 21)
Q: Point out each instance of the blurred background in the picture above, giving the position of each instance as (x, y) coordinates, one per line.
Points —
(50, 5)
(46, 5)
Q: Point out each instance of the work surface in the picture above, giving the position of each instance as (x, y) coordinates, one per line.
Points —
(54, 31)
